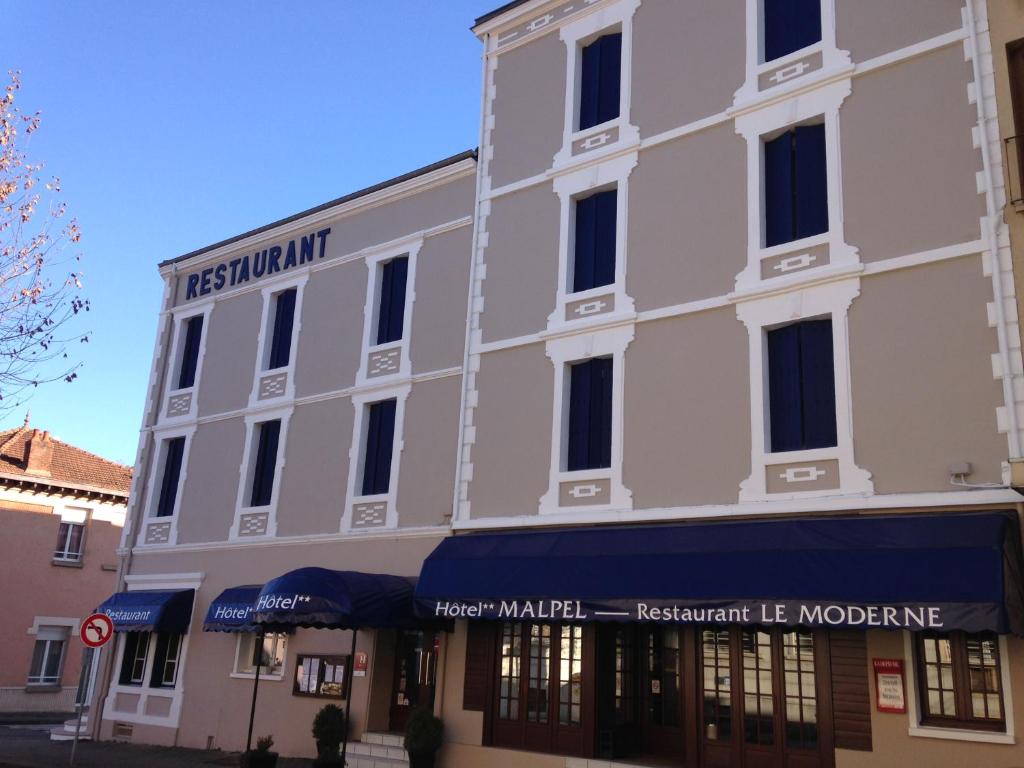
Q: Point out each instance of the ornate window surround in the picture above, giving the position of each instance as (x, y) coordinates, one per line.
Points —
(264, 340)
(175, 399)
(245, 472)
(155, 480)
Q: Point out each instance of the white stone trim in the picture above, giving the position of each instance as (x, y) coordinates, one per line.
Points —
(374, 264)
(70, 622)
(612, 343)
(832, 57)
(831, 299)
(914, 726)
(155, 480)
(180, 318)
(576, 34)
(248, 463)
(357, 454)
(611, 174)
(269, 290)
(823, 103)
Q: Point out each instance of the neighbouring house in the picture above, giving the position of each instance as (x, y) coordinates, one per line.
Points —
(61, 515)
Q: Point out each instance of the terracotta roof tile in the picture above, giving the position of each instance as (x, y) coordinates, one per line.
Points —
(68, 464)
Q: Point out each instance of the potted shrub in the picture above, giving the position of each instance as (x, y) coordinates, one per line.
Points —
(328, 730)
(423, 737)
(261, 757)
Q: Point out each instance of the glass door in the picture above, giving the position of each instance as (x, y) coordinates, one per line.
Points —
(414, 679)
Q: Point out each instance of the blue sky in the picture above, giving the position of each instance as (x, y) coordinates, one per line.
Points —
(174, 125)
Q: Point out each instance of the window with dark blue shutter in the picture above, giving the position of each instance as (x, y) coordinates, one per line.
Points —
(801, 386)
(790, 25)
(174, 450)
(594, 257)
(380, 438)
(190, 352)
(600, 76)
(284, 318)
(795, 185)
(590, 415)
(266, 463)
(391, 312)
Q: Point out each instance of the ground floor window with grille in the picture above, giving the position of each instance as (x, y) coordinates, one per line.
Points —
(48, 656)
(270, 653)
(959, 681)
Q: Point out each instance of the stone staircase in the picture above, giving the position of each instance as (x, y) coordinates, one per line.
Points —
(375, 750)
(66, 732)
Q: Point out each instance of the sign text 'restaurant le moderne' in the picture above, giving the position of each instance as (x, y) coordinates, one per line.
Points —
(277, 258)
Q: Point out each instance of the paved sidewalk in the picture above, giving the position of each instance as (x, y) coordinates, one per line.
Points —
(29, 746)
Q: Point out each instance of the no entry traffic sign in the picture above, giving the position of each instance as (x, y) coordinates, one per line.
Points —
(96, 630)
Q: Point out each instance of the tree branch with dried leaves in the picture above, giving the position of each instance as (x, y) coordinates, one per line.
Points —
(40, 282)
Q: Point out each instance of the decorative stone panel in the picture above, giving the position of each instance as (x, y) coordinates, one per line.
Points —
(158, 533)
(794, 261)
(382, 362)
(179, 405)
(595, 140)
(584, 493)
(253, 524)
(789, 71)
(273, 385)
(370, 514)
(598, 305)
(544, 20)
(802, 476)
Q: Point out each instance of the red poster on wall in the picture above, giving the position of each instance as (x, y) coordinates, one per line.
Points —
(889, 693)
(359, 664)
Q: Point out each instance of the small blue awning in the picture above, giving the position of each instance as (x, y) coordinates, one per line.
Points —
(231, 611)
(325, 599)
(150, 610)
(937, 571)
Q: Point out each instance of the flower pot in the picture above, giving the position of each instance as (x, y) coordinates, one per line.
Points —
(256, 759)
(422, 759)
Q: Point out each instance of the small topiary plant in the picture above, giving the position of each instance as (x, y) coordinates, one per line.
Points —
(329, 730)
(261, 757)
(264, 743)
(423, 737)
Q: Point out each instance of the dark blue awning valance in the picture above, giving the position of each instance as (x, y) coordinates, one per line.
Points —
(231, 610)
(147, 610)
(325, 599)
(937, 571)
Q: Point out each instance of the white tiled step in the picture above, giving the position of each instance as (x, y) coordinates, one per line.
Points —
(357, 760)
(365, 749)
(383, 737)
(66, 732)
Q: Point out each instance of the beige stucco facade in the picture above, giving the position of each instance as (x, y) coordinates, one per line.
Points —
(913, 270)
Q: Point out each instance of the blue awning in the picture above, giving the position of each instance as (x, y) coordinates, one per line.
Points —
(937, 571)
(150, 610)
(325, 599)
(231, 610)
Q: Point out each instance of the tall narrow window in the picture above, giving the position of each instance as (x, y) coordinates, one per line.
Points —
(266, 463)
(716, 667)
(380, 437)
(960, 681)
(600, 80)
(284, 318)
(165, 660)
(590, 415)
(190, 352)
(391, 310)
(69, 542)
(790, 25)
(801, 386)
(133, 660)
(796, 185)
(594, 262)
(509, 671)
(174, 450)
(48, 656)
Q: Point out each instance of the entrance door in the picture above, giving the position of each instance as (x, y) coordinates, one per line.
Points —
(765, 699)
(661, 713)
(415, 669)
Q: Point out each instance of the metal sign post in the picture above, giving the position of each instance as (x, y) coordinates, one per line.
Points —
(80, 694)
(95, 632)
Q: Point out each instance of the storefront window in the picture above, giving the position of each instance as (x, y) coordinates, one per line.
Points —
(270, 654)
(663, 666)
(508, 683)
(540, 670)
(959, 681)
(715, 661)
(625, 688)
(758, 701)
(800, 690)
(570, 690)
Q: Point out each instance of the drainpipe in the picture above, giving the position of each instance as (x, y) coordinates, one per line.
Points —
(134, 512)
(993, 218)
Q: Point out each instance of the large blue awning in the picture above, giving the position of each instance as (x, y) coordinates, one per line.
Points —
(150, 610)
(325, 599)
(937, 571)
(231, 610)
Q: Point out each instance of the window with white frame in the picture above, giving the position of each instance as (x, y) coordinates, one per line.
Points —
(70, 537)
(166, 659)
(801, 386)
(134, 657)
(267, 435)
(270, 653)
(192, 328)
(959, 681)
(139, 647)
(280, 344)
(594, 242)
(378, 448)
(48, 656)
(391, 300)
(789, 25)
(795, 184)
(173, 453)
(589, 440)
